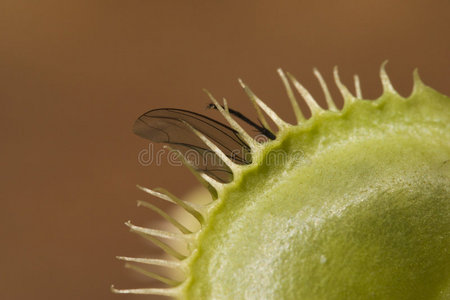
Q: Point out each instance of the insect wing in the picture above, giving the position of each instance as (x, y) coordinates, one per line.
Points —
(168, 125)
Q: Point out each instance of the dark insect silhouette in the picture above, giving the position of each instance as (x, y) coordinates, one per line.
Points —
(259, 128)
(168, 125)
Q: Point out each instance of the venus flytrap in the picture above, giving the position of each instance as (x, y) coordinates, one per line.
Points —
(356, 207)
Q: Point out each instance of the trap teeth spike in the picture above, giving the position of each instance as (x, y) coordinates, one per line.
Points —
(330, 103)
(295, 107)
(310, 101)
(253, 98)
(346, 95)
(349, 204)
(357, 86)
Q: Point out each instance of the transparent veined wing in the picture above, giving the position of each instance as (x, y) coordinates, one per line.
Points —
(168, 125)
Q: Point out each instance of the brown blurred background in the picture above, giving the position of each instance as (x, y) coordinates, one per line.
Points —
(74, 75)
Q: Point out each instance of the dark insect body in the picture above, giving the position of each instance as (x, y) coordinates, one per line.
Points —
(237, 114)
(169, 125)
